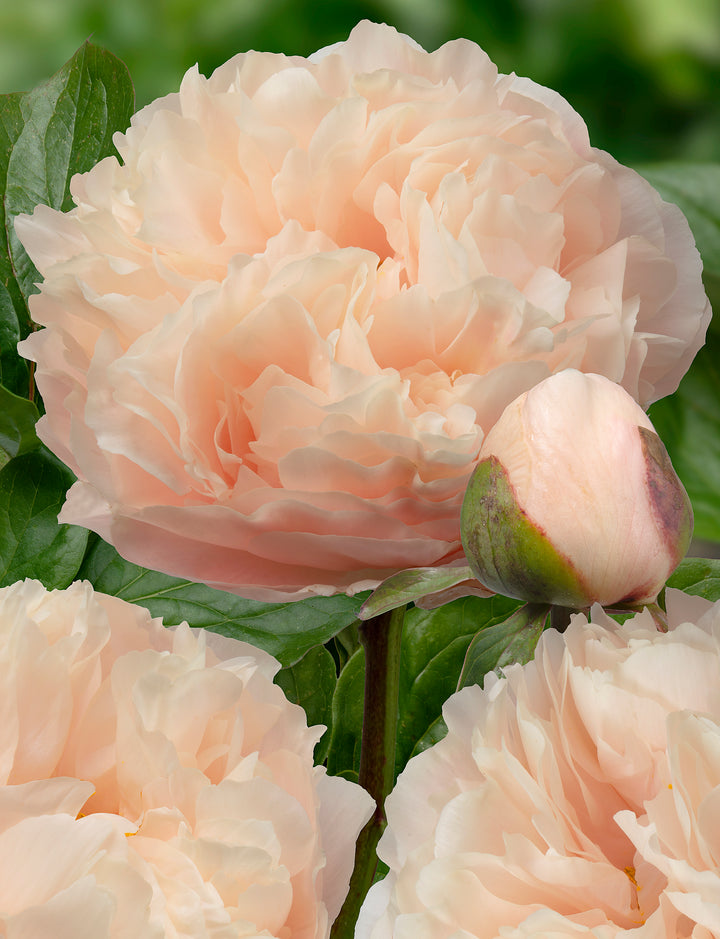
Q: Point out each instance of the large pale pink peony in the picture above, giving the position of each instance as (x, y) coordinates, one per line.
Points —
(575, 796)
(277, 332)
(156, 783)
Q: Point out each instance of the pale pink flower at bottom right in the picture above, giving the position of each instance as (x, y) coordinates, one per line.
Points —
(578, 795)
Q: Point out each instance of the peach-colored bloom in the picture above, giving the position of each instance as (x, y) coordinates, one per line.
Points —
(156, 783)
(575, 796)
(276, 334)
(574, 499)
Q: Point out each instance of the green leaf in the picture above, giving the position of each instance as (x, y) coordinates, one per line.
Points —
(343, 758)
(344, 644)
(434, 645)
(513, 640)
(14, 316)
(408, 586)
(698, 576)
(60, 128)
(311, 683)
(696, 189)
(435, 732)
(285, 630)
(688, 421)
(17, 424)
(32, 543)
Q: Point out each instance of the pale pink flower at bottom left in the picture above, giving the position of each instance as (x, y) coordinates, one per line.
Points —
(156, 783)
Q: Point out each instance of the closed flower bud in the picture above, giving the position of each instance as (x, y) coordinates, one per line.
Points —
(574, 499)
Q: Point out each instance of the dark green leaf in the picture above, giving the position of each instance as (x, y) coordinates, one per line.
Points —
(408, 586)
(311, 683)
(698, 576)
(344, 644)
(17, 424)
(14, 316)
(67, 127)
(513, 640)
(434, 646)
(343, 758)
(60, 128)
(32, 543)
(435, 732)
(285, 630)
(689, 424)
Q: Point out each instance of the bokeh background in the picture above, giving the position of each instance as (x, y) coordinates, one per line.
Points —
(645, 74)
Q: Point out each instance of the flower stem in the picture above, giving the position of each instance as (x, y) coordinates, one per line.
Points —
(560, 617)
(380, 638)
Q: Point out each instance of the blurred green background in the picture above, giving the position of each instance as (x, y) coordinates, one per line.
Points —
(645, 74)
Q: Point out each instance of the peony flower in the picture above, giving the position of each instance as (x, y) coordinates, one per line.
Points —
(574, 796)
(276, 333)
(156, 783)
(574, 499)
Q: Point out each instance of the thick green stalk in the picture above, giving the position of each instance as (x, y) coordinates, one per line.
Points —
(380, 637)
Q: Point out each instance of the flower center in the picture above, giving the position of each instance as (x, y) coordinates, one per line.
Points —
(634, 895)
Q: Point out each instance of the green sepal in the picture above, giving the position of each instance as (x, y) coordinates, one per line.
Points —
(408, 586)
(507, 552)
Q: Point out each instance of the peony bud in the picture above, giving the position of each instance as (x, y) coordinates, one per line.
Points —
(575, 500)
